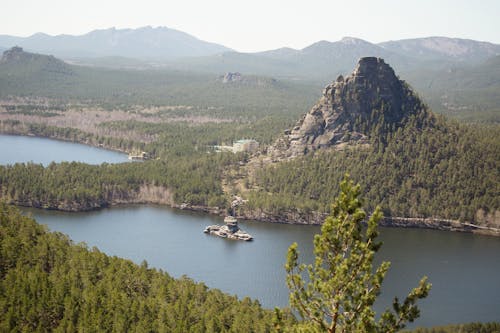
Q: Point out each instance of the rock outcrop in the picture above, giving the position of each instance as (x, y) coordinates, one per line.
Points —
(236, 78)
(349, 110)
(28, 62)
(231, 77)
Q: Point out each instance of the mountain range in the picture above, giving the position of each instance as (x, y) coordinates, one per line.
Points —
(459, 77)
(324, 60)
(143, 43)
(162, 44)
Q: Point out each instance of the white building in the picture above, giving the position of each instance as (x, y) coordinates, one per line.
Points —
(248, 145)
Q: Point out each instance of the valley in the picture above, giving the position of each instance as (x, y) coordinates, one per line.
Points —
(373, 125)
(358, 145)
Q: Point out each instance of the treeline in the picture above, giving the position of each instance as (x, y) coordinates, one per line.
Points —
(464, 328)
(49, 284)
(169, 138)
(79, 186)
(431, 167)
(69, 134)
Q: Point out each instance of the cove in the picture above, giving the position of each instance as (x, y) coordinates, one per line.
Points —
(19, 149)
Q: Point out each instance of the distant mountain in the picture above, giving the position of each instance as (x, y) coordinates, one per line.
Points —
(322, 60)
(451, 73)
(347, 50)
(143, 43)
(443, 48)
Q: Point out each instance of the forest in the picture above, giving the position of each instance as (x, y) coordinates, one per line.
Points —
(50, 284)
(430, 167)
(79, 186)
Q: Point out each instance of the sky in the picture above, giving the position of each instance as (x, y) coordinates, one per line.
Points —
(258, 25)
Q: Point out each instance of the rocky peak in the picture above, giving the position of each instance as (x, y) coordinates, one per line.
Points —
(349, 108)
(16, 57)
(13, 54)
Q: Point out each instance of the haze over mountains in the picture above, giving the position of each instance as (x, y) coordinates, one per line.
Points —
(142, 43)
(165, 44)
(456, 76)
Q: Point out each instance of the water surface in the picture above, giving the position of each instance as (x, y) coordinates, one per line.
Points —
(18, 149)
(463, 268)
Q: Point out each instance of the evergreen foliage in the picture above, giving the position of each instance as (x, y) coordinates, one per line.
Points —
(343, 285)
(463, 328)
(429, 167)
(191, 181)
(126, 89)
(49, 284)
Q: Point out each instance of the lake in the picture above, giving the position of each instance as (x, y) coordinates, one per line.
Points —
(463, 268)
(17, 149)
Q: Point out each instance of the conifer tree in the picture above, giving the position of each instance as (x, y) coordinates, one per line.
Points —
(342, 285)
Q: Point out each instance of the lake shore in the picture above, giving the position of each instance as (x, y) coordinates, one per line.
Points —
(150, 194)
(161, 196)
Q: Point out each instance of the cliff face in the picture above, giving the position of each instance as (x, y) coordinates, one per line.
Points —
(349, 109)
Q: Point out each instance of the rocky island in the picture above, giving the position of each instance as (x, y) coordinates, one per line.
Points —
(230, 230)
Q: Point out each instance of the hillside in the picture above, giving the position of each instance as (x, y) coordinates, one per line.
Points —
(456, 77)
(373, 126)
(437, 67)
(50, 284)
(469, 92)
(142, 43)
(34, 75)
(17, 63)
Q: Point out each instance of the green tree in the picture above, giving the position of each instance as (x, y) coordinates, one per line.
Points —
(342, 285)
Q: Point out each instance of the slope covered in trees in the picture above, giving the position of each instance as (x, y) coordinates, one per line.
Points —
(49, 284)
(79, 186)
(372, 125)
(446, 170)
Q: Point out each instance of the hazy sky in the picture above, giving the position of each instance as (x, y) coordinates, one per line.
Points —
(256, 25)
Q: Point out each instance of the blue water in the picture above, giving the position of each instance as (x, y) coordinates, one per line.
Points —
(14, 149)
(463, 268)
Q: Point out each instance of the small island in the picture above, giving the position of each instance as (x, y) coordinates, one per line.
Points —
(230, 230)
